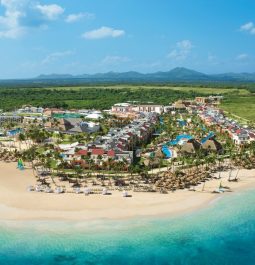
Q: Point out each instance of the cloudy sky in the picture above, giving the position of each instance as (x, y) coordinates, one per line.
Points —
(89, 36)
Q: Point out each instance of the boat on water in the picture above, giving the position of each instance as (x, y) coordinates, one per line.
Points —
(218, 191)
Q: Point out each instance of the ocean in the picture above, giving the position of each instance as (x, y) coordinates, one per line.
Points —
(223, 233)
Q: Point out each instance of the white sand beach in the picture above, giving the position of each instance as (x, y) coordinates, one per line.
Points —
(16, 203)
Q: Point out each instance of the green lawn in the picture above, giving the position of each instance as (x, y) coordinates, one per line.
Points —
(243, 106)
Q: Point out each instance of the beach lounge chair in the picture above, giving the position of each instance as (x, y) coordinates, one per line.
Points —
(77, 190)
(59, 190)
(30, 188)
(48, 190)
(38, 188)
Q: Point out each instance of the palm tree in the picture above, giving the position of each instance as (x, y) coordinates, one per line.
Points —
(78, 171)
(21, 138)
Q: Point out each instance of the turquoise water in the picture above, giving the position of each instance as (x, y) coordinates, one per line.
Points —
(223, 234)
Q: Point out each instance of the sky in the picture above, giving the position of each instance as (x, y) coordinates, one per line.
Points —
(91, 36)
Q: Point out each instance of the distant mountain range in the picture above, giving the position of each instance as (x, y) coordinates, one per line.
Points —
(178, 74)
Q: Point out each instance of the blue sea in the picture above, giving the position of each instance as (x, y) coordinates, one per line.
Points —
(223, 233)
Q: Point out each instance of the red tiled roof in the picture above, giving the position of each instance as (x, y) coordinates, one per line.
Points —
(111, 153)
(82, 152)
(97, 152)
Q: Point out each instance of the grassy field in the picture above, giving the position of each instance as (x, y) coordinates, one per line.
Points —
(242, 106)
(200, 90)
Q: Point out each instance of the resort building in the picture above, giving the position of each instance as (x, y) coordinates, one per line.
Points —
(72, 126)
(240, 136)
(128, 108)
(179, 106)
(238, 133)
(10, 119)
(202, 100)
(120, 144)
(49, 112)
(33, 120)
(214, 100)
(149, 108)
(32, 110)
(122, 107)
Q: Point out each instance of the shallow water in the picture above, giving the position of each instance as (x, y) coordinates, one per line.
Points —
(224, 233)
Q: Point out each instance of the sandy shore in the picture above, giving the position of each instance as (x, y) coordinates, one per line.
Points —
(18, 204)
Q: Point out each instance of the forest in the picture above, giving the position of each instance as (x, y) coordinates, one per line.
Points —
(238, 100)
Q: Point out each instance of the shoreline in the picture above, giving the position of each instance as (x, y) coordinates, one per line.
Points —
(16, 204)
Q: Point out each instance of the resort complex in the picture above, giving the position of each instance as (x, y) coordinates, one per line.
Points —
(131, 147)
(127, 132)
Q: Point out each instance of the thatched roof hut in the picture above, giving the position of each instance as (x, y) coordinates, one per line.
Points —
(152, 163)
(159, 154)
(212, 145)
(178, 105)
(191, 147)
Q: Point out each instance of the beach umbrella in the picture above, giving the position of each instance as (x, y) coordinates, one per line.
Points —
(105, 191)
(87, 191)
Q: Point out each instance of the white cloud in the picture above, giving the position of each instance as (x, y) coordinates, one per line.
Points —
(56, 56)
(242, 57)
(51, 12)
(181, 51)
(113, 60)
(103, 32)
(77, 17)
(9, 23)
(12, 33)
(21, 15)
(248, 27)
(13, 4)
